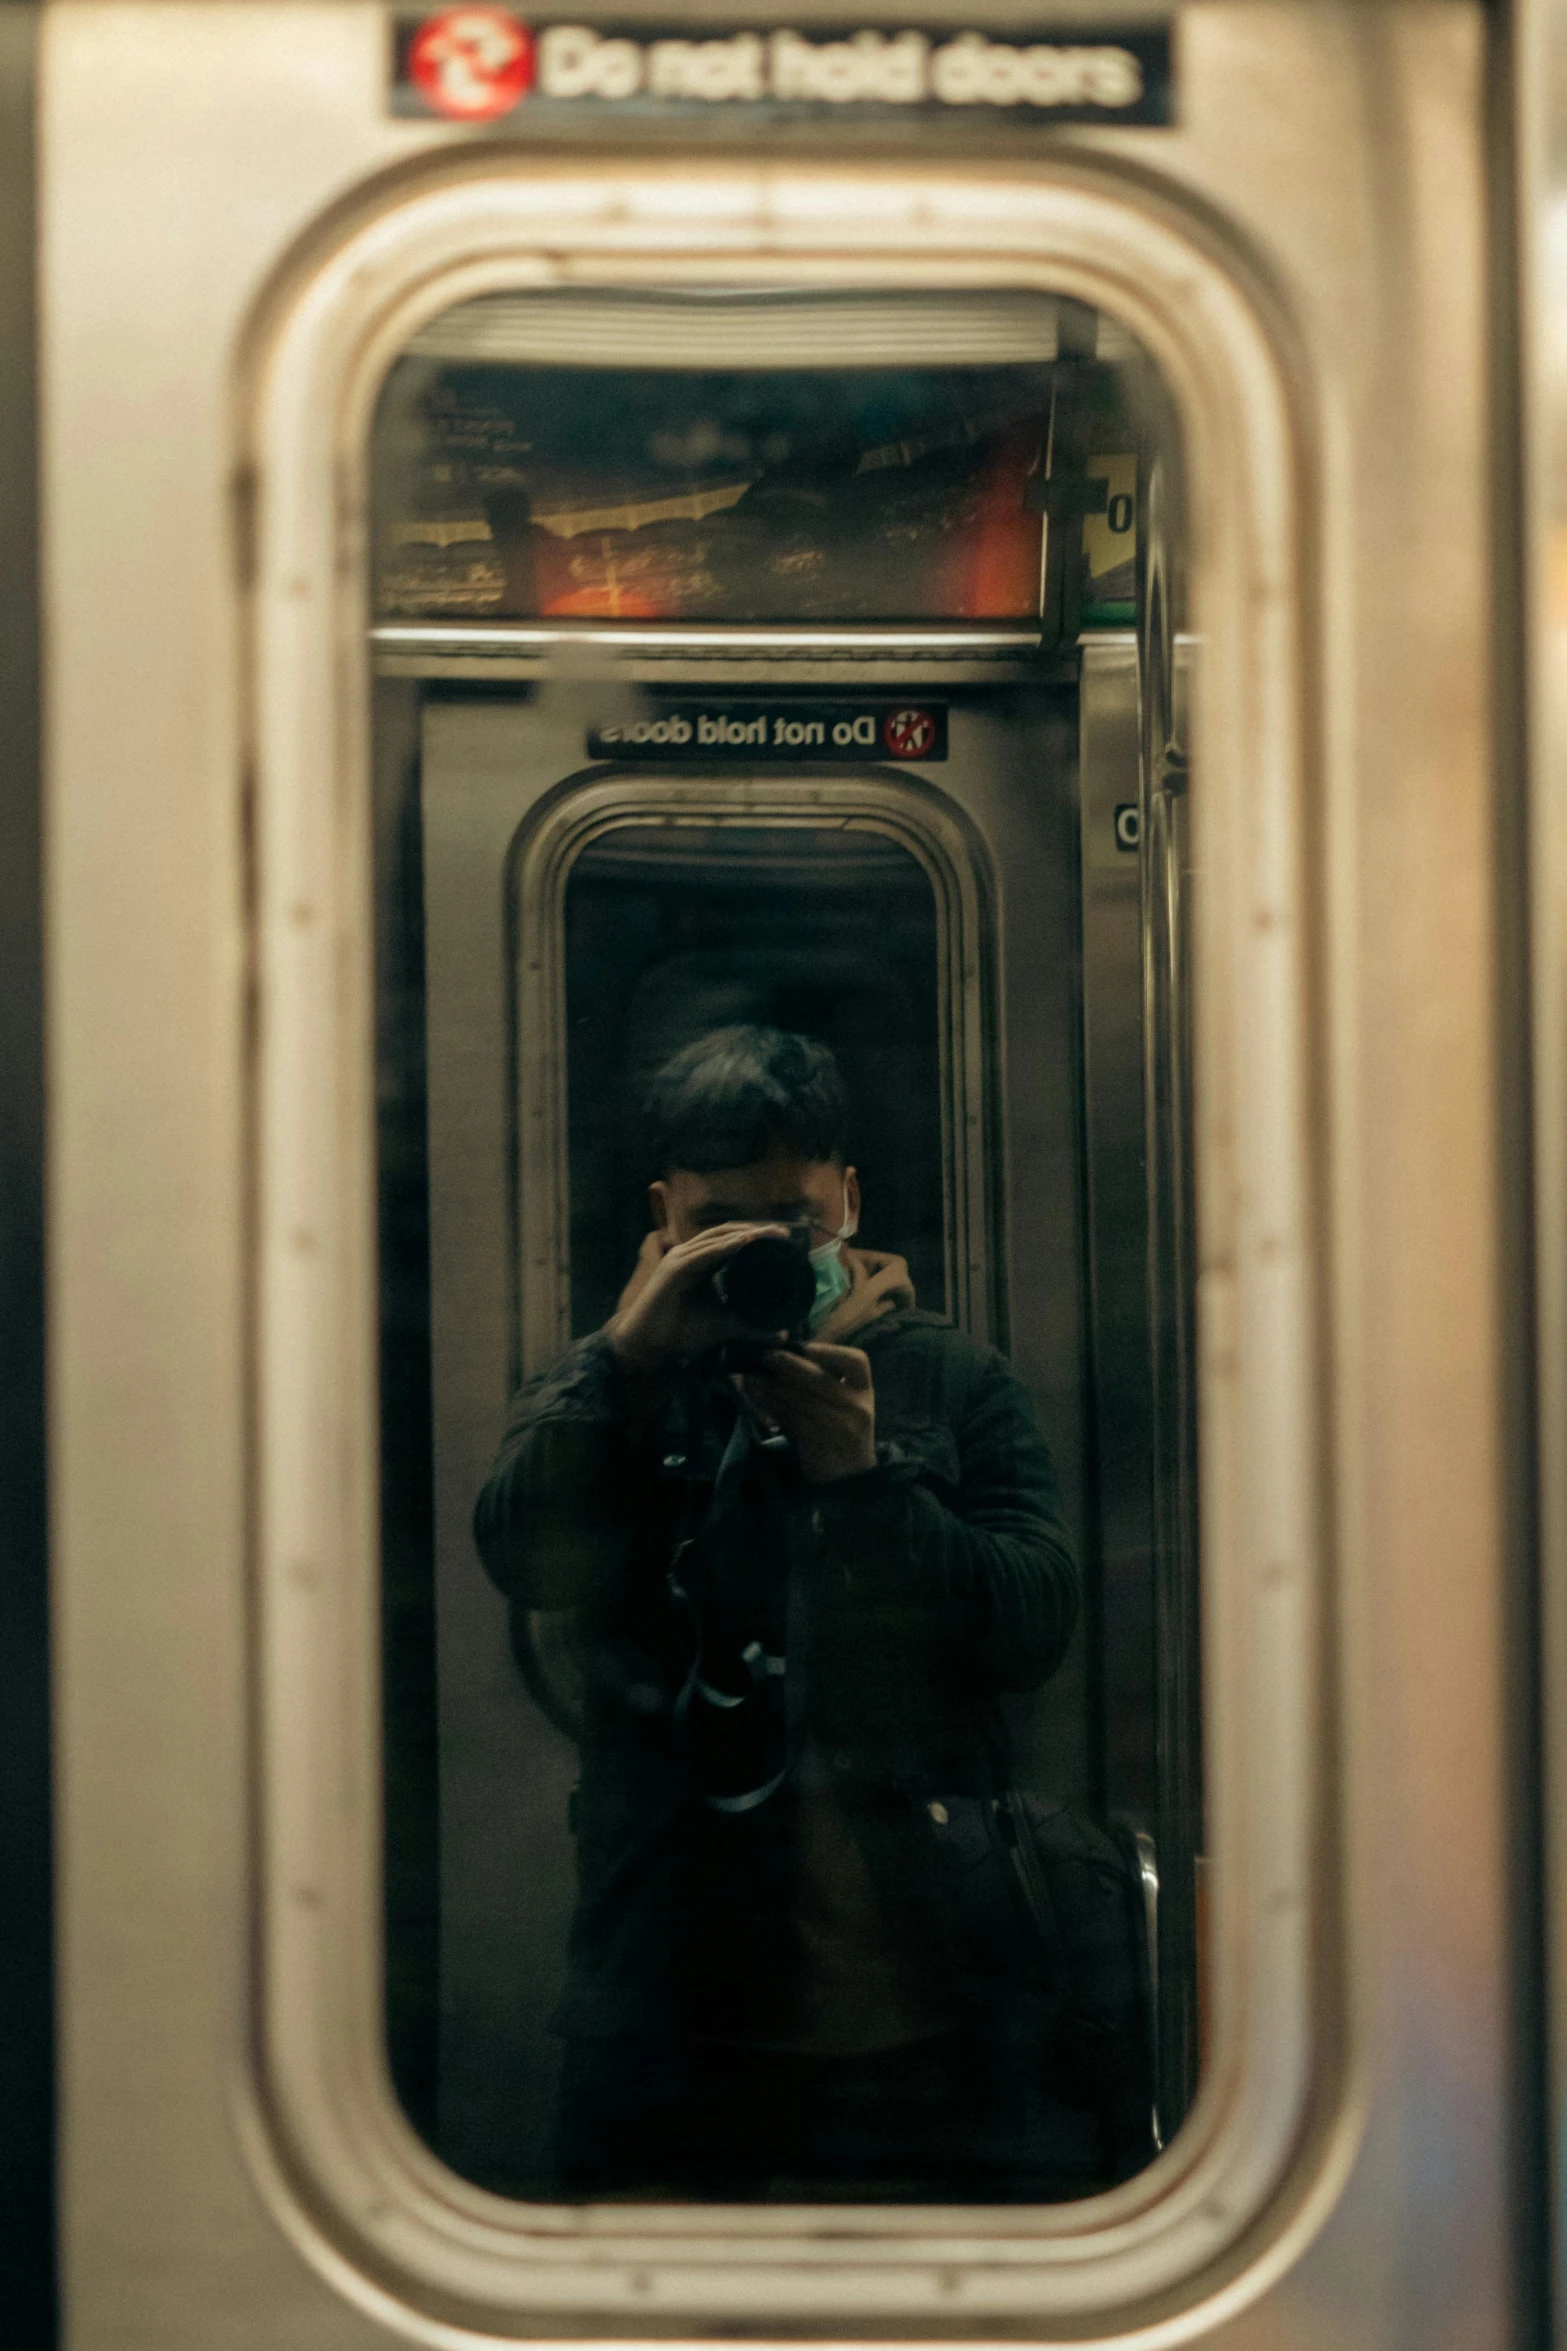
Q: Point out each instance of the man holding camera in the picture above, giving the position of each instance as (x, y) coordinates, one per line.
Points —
(802, 1536)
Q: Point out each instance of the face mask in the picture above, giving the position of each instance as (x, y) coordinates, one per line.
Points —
(833, 1278)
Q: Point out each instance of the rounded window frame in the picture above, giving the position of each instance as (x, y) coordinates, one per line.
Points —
(588, 807)
(439, 2260)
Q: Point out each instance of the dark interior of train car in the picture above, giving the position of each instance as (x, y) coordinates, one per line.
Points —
(800, 928)
(834, 704)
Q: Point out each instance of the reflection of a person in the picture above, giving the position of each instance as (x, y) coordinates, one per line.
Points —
(797, 1592)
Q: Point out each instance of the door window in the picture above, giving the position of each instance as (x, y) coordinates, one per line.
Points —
(673, 932)
(788, 1524)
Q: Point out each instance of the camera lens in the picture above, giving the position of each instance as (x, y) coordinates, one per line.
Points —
(769, 1284)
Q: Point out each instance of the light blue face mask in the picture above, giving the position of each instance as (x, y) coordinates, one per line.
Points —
(833, 1278)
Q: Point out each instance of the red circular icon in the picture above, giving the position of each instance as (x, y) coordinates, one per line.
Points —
(908, 734)
(472, 63)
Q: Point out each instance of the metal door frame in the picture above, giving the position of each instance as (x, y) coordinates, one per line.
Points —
(321, 351)
(588, 806)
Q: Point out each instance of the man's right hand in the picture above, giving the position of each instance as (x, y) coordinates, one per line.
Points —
(675, 1314)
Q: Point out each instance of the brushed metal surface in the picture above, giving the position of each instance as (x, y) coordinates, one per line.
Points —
(1539, 90)
(1329, 163)
(501, 637)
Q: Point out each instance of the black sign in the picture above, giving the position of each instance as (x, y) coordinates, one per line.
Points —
(778, 733)
(482, 64)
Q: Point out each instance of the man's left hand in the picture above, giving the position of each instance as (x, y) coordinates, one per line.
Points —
(822, 1398)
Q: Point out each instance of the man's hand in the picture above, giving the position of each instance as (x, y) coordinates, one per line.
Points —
(675, 1314)
(823, 1398)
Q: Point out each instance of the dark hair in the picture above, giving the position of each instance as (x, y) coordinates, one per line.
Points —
(738, 1093)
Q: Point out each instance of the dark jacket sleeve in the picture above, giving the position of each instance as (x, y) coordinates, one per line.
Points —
(978, 1545)
(556, 1519)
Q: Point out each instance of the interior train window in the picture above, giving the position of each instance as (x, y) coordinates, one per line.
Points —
(792, 1709)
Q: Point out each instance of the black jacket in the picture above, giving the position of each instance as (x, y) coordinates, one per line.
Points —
(688, 1563)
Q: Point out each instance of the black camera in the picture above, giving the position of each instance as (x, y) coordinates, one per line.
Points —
(769, 1284)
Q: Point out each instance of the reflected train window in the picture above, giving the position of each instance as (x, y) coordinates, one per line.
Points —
(672, 932)
(789, 1527)
(514, 484)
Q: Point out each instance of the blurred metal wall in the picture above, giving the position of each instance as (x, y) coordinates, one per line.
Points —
(1338, 154)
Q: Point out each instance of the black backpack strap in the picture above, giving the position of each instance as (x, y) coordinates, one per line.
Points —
(1009, 1825)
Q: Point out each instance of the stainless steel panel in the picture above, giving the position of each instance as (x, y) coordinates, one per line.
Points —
(1117, 1177)
(1169, 1029)
(1331, 155)
(1538, 62)
(434, 638)
(1136, 1018)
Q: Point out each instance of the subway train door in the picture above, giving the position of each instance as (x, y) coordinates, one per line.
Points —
(880, 631)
